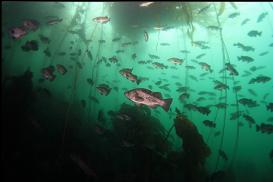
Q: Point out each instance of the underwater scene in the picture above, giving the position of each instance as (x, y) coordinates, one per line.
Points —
(137, 91)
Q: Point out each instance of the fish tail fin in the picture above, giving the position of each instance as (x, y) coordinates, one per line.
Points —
(167, 103)
(257, 128)
(239, 58)
(260, 33)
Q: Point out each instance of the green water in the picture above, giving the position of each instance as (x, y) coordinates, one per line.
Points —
(248, 159)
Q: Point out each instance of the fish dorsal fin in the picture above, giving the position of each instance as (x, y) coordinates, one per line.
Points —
(157, 95)
(146, 91)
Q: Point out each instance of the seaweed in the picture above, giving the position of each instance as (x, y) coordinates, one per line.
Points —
(226, 59)
(142, 130)
(222, 8)
(187, 10)
(195, 150)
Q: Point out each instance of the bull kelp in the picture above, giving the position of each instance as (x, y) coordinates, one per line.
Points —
(137, 91)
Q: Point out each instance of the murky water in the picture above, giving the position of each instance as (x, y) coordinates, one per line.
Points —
(68, 69)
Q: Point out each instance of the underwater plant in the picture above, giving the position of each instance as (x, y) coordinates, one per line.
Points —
(195, 150)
